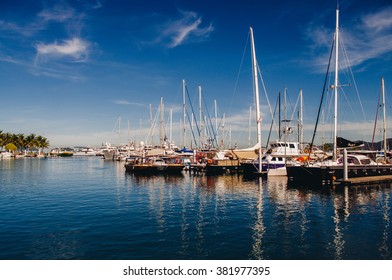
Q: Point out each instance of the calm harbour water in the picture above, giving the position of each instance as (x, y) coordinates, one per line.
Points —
(87, 208)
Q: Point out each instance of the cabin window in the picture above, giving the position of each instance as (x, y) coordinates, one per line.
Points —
(292, 146)
(365, 161)
(280, 159)
(273, 159)
(351, 160)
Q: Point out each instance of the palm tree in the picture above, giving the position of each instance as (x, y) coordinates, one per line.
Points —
(1, 140)
(20, 141)
(30, 141)
(42, 143)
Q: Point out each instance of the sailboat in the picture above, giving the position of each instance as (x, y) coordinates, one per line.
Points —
(229, 161)
(337, 167)
(274, 159)
(256, 93)
(383, 155)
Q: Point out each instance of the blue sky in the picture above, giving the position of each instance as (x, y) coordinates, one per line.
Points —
(69, 70)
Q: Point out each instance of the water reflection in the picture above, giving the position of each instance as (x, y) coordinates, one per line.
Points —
(384, 248)
(285, 222)
(88, 208)
(338, 240)
(259, 227)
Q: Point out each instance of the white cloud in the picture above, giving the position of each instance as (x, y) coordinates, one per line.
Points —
(182, 32)
(76, 48)
(48, 58)
(97, 5)
(380, 21)
(368, 38)
(188, 27)
(126, 102)
(11, 29)
(58, 13)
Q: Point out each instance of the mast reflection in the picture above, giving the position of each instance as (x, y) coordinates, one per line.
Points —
(384, 249)
(259, 227)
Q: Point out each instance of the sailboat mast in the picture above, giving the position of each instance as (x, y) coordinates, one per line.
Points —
(301, 120)
(250, 125)
(223, 141)
(285, 113)
(171, 126)
(184, 112)
(384, 120)
(256, 92)
(200, 120)
(335, 117)
(161, 133)
(152, 131)
(279, 120)
(216, 122)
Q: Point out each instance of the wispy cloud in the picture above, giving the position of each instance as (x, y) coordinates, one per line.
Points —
(57, 60)
(126, 102)
(49, 57)
(97, 5)
(12, 29)
(76, 48)
(380, 21)
(62, 13)
(366, 38)
(189, 27)
(59, 13)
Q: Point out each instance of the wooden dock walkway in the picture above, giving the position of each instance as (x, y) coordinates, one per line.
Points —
(365, 180)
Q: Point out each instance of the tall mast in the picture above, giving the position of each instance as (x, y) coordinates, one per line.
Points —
(171, 127)
(152, 131)
(256, 92)
(184, 111)
(285, 120)
(384, 120)
(161, 133)
(192, 126)
(200, 119)
(250, 125)
(216, 122)
(279, 120)
(223, 130)
(301, 120)
(336, 84)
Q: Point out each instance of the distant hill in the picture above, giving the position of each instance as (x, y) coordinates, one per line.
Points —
(342, 142)
(378, 145)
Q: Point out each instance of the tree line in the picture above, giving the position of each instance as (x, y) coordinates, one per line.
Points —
(21, 142)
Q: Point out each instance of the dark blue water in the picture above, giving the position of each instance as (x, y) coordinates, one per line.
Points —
(86, 208)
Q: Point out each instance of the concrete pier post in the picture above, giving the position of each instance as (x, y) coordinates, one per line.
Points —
(345, 166)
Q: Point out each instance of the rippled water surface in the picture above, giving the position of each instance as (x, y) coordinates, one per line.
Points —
(86, 208)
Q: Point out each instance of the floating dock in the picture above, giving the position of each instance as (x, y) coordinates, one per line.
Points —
(365, 180)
